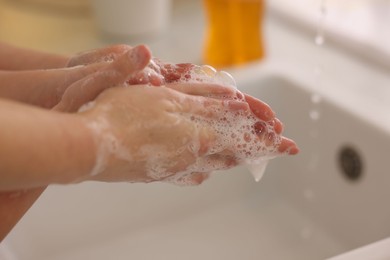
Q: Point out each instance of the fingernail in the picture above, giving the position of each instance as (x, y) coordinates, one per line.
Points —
(294, 150)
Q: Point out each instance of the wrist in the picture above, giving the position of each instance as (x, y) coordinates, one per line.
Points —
(81, 147)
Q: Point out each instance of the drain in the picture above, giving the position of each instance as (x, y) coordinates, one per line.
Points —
(351, 164)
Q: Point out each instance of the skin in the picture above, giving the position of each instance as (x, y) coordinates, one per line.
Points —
(58, 133)
(16, 58)
(14, 204)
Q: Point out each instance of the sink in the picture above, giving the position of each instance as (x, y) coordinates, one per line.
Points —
(329, 199)
(358, 26)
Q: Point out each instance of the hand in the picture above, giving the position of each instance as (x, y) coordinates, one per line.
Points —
(105, 75)
(146, 134)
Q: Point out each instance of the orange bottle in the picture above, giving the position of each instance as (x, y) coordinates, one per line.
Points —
(234, 33)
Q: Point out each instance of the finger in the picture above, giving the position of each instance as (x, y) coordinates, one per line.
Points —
(197, 178)
(206, 90)
(210, 108)
(145, 76)
(72, 75)
(288, 146)
(137, 58)
(87, 89)
(99, 55)
(278, 126)
(174, 72)
(271, 138)
(133, 60)
(260, 109)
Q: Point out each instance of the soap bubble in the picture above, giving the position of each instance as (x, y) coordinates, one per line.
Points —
(314, 114)
(208, 70)
(316, 98)
(319, 40)
(224, 78)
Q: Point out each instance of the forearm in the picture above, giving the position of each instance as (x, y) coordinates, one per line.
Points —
(32, 87)
(42, 88)
(16, 58)
(41, 147)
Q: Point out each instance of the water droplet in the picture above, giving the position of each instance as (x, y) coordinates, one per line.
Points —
(314, 114)
(316, 98)
(225, 79)
(319, 40)
(323, 8)
(208, 70)
(197, 69)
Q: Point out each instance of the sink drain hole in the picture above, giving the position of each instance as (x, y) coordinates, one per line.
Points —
(351, 163)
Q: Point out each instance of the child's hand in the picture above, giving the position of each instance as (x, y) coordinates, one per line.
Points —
(146, 134)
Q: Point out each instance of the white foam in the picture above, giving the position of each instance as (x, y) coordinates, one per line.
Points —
(87, 106)
(236, 132)
(207, 74)
(257, 168)
(237, 135)
(107, 144)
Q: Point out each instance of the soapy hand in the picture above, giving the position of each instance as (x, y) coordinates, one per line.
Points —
(257, 136)
(106, 74)
(174, 75)
(146, 134)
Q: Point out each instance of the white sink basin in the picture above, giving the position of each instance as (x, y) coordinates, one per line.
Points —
(304, 208)
(360, 26)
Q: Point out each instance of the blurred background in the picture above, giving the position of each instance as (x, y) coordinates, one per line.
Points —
(69, 26)
(62, 26)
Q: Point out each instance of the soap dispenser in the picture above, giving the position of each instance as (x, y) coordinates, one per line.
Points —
(234, 32)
